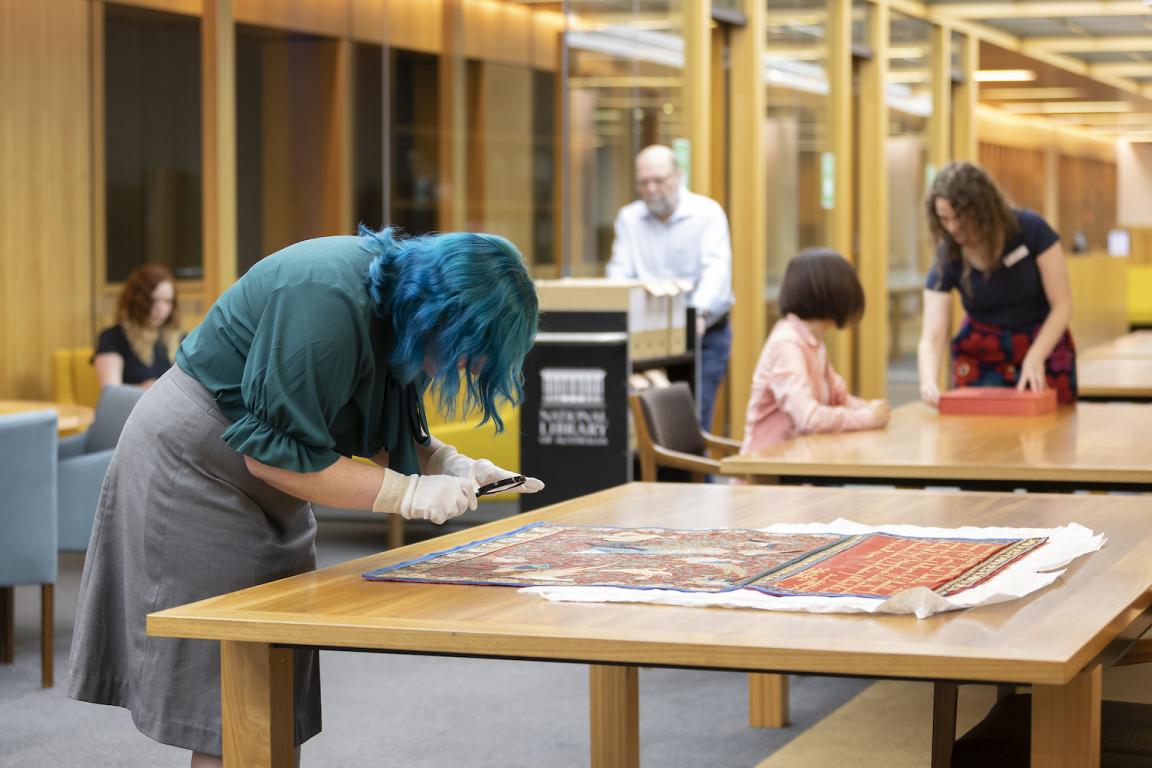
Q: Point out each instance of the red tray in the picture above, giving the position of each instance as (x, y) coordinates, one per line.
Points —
(997, 401)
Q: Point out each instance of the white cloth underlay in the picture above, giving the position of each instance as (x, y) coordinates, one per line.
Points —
(1036, 570)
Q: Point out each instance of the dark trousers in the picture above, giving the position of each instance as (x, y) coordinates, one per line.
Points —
(714, 350)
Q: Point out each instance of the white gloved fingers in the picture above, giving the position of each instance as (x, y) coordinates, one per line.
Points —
(486, 472)
(438, 498)
(531, 485)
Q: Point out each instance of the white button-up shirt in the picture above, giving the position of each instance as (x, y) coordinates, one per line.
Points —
(693, 244)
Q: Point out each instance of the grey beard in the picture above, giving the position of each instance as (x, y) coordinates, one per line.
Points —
(661, 208)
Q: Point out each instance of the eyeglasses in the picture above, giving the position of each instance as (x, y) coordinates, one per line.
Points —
(657, 181)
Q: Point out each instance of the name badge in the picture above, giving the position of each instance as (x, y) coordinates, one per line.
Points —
(1013, 258)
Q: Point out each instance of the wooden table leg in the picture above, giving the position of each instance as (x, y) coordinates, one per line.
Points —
(614, 699)
(767, 700)
(8, 624)
(1066, 722)
(395, 531)
(256, 705)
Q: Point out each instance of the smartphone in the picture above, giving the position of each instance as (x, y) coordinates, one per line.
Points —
(500, 485)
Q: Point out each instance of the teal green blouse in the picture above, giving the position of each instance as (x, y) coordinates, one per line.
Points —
(296, 358)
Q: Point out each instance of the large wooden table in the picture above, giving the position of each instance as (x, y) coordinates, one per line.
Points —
(1118, 370)
(1055, 639)
(1130, 345)
(70, 418)
(1115, 378)
(1091, 445)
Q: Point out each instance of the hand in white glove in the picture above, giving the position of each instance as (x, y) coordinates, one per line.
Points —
(438, 498)
(447, 461)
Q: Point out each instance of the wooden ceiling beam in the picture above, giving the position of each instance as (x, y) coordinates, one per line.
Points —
(1075, 44)
(1045, 10)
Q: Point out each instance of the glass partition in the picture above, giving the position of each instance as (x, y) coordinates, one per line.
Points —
(624, 92)
(796, 135)
(287, 188)
(152, 141)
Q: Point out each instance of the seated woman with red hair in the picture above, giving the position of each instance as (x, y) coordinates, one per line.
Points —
(142, 344)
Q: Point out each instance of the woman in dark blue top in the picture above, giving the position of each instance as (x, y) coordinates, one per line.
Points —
(1010, 271)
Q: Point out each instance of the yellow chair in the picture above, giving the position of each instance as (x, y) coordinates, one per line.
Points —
(1140, 295)
(73, 377)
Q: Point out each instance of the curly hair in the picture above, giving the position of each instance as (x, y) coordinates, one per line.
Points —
(982, 209)
(135, 302)
(455, 297)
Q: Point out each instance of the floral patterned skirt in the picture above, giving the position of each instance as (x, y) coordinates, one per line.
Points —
(986, 355)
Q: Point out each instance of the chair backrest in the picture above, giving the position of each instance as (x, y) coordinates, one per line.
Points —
(671, 417)
(28, 506)
(73, 377)
(116, 403)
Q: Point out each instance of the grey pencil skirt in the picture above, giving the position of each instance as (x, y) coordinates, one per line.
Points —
(180, 519)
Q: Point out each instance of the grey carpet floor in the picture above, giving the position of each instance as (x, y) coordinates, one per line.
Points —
(417, 712)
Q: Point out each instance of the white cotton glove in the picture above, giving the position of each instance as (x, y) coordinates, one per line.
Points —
(435, 498)
(447, 461)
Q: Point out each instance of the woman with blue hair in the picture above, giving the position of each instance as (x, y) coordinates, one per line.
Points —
(321, 352)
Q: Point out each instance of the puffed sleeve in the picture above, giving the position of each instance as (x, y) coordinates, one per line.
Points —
(303, 367)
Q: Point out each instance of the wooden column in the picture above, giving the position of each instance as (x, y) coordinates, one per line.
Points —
(697, 90)
(964, 98)
(218, 83)
(940, 124)
(453, 191)
(872, 343)
(746, 209)
(841, 221)
(339, 175)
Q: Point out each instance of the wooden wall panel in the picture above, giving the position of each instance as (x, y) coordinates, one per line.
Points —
(1087, 195)
(186, 7)
(331, 18)
(417, 25)
(45, 203)
(369, 20)
(498, 32)
(1018, 171)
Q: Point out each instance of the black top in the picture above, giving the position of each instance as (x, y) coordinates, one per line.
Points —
(135, 372)
(1013, 295)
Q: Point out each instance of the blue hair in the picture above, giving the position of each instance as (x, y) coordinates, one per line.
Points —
(451, 297)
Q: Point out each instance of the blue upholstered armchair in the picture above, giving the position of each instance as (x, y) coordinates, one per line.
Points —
(28, 523)
(84, 459)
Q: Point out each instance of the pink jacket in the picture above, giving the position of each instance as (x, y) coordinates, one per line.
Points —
(796, 392)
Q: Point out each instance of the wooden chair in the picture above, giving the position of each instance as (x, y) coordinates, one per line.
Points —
(1004, 737)
(668, 433)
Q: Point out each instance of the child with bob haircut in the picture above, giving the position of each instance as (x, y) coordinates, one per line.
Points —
(794, 389)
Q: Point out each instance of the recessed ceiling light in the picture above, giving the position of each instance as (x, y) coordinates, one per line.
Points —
(1004, 76)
